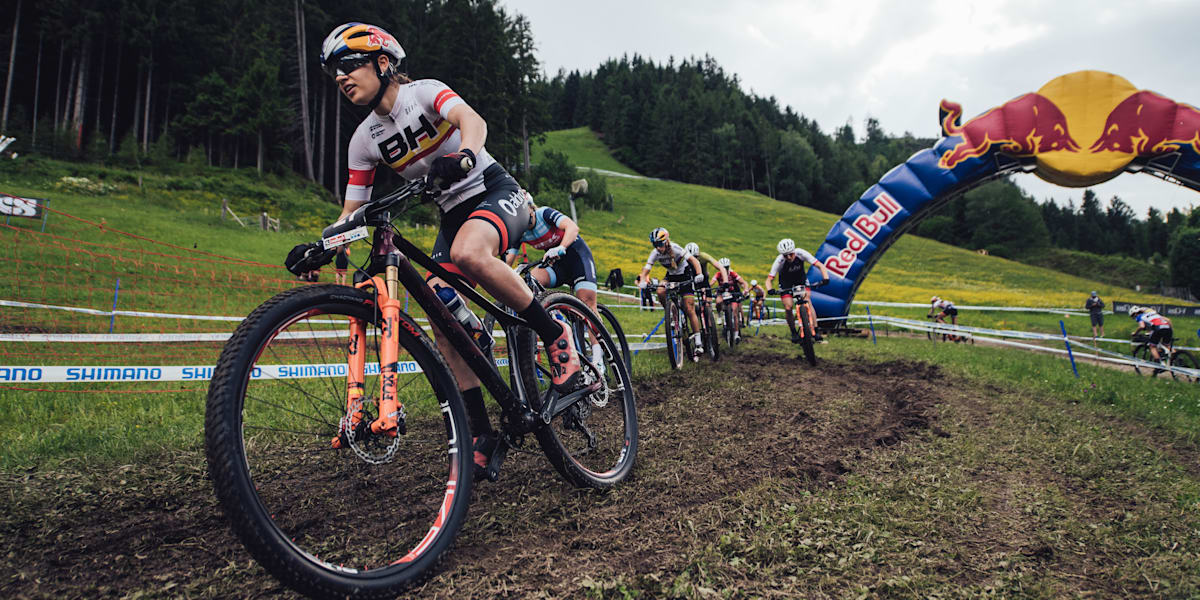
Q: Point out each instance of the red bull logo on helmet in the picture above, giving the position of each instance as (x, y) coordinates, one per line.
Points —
(1083, 128)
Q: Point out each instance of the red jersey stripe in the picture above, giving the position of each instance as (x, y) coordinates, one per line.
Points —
(442, 97)
(358, 177)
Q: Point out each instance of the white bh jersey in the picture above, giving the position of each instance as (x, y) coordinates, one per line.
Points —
(408, 139)
(794, 266)
(673, 259)
(943, 304)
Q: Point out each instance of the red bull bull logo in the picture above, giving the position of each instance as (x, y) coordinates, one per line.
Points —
(1120, 122)
(1024, 126)
(1147, 123)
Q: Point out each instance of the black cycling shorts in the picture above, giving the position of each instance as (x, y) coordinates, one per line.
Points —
(950, 312)
(576, 268)
(1162, 335)
(501, 204)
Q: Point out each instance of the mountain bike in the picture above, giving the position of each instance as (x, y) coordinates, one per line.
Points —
(731, 326)
(610, 319)
(676, 326)
(1168, 356)
(931, 335)
(808, 329)
(336, 436)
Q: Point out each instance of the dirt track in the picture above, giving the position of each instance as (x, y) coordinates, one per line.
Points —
(705, 435)
(708, 435)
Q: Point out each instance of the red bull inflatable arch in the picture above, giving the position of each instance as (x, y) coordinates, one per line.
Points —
(1079, 129)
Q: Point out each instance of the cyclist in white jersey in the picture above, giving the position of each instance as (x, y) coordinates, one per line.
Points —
(681, 267)
(1159, 327)
(423, 128)
(792, 268)
(943, 308)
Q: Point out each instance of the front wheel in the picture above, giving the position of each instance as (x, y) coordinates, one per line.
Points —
(593, 441)
(1186, 360)
(807, 334)
(671, 329)
(326, 506)
(711, 338)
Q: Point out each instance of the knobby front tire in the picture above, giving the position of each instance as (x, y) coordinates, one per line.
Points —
(334, 523)
(711, 337)
(674, 345)
(1142, 353)
(806, 339)
(593, 443)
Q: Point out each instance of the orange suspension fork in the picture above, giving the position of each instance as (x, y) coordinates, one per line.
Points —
(390, 410)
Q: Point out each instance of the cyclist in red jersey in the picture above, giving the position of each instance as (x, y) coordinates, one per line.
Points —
(758, 303)
(423, 128)
(731, 283)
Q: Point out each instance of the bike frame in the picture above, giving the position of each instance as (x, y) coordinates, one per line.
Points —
(399, 272)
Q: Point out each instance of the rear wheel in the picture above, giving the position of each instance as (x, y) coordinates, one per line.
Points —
(1142, 353)
(372, 517)
(592, 442)
(806, 334)
(1186, 360)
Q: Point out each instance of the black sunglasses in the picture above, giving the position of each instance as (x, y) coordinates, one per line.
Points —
(346, 64)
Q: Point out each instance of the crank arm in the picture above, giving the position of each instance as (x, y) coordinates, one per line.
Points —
(497, 459)
(553, 404)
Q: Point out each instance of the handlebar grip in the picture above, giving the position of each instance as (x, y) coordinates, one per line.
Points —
(466, 164)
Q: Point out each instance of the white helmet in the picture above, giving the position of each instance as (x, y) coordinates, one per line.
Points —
(753, 282)
(1133, 310)
(724, 262)
(934, 299)
(692, 248)
(785, 245)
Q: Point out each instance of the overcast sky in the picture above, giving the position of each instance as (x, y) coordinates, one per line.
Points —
(845, 61)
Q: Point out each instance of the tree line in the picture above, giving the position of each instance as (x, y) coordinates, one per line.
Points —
(237, 83)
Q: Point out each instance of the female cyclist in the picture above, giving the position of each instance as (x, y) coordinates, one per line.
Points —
(423, 128)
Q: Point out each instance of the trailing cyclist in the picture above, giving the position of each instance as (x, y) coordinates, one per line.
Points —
(792, 267)
(729, 280)
(705, 259)
(570, 259)
(423, 128)
(758, 303)
(1158, 326)
(940, 308)
(682, 267)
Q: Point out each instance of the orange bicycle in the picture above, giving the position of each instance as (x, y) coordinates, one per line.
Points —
(336, 436)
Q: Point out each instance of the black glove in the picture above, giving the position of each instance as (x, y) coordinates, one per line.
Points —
(452, 167)
(307, 257)
(825, 281)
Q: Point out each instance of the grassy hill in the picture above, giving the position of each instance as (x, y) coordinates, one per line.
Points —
(745, 227)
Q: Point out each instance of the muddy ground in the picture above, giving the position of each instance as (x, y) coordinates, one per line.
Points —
(707, 435)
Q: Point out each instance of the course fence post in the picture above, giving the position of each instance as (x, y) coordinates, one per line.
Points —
(112, 319)
(1067, 341)
(652, 331)
(871, 322)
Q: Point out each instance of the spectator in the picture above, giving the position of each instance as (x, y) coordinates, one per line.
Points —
(340, 263)
(1095, 307)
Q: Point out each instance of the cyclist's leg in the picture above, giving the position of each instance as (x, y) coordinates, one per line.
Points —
(790, 314)
(689, 307)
